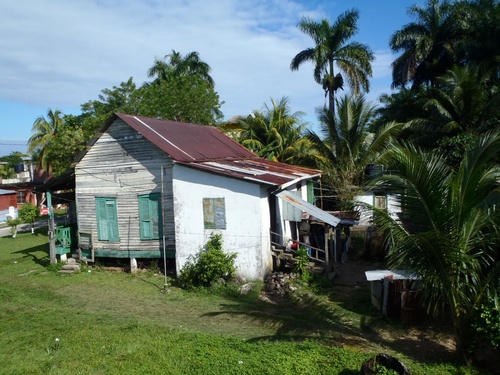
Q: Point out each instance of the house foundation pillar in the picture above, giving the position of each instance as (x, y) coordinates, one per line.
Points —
(133, 265)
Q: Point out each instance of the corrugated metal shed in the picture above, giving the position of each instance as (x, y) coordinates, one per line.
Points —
(208, 148)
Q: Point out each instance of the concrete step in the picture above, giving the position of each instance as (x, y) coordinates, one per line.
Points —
(318, 269)
(71, 267)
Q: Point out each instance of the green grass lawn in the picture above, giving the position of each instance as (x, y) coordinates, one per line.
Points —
(103, 322)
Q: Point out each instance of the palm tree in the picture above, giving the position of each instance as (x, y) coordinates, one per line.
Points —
(427, 46)
(346, 146)
(462, 101)
(461, 106)
(176, 65)
(479, 43)
(331, 47)
(44, 130)
(449, 231)
(275, 133)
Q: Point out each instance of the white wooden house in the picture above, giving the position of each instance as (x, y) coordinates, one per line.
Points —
(149, 188)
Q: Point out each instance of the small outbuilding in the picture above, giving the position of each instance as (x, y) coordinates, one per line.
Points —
(8, 204)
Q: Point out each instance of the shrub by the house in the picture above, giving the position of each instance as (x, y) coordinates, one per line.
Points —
(209, 266)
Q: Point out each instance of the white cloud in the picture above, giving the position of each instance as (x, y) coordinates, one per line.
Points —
(382, 65)
(64, 54)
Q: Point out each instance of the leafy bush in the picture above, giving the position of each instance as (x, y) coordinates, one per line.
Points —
(29, 213)
(13, 223)
(211, 265)
(302, 258)
(488, 323)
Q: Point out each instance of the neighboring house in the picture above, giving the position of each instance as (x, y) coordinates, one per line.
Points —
(147, 187)
(24, 183)
(380, 199)
(8, 204)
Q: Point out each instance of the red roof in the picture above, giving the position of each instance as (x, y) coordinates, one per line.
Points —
(208, 148)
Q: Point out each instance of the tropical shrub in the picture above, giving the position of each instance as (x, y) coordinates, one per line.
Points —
(448, 233)
(13, 223)
(302, 259)
(488, 322)
(209, 266)
(29, 213)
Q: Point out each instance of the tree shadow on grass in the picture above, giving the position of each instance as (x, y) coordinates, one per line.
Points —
(316, 318)
(34, 253)
(294, 319)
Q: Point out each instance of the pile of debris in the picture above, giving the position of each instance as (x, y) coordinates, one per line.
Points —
(277, 283)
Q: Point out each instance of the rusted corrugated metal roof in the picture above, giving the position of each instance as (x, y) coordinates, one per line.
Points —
(186, 142)
(256, 169)
(209, 149)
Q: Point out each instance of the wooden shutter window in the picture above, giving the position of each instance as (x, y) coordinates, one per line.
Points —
(107, 219)
(150, 216)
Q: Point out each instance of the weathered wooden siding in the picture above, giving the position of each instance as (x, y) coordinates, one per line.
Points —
(122, 165)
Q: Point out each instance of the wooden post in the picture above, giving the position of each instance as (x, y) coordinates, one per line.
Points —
(52, 238)
(327, 247)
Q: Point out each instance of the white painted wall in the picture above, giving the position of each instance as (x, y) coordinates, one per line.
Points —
(247, 219)
(393, 206)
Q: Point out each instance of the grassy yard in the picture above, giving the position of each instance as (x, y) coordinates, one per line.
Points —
(103, 322)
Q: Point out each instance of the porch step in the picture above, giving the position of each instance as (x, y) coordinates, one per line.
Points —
(287, 263)
(317, 269)
(70, 267)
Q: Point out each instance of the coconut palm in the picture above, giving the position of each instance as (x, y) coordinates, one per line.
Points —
(332, 48)
(427, 45)
(346, 146)
(460, 107)
(448, 233)
(463, 102)
(275, 133)
(479, 43)
(44, 131)
(176, 65)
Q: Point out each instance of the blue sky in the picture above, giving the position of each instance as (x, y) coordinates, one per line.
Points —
(62, 53)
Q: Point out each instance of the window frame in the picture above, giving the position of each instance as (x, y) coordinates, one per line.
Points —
(21, 196)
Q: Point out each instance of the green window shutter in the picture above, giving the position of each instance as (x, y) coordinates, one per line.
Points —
(144, 218)
(155, 214)
(107, 219)
(150, 216)
(102, 222)
(112, 220)
(310, 192)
